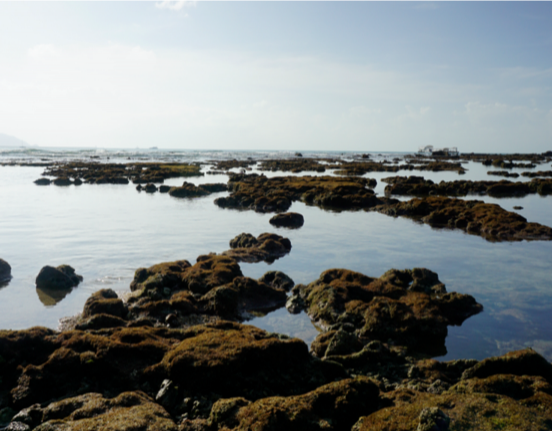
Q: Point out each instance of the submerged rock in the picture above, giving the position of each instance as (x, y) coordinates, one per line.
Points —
(291, 220)
(62, 277)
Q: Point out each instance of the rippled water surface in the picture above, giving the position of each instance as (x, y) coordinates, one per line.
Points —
(106, 232)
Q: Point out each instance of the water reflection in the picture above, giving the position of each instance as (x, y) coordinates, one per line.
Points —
(50, 297)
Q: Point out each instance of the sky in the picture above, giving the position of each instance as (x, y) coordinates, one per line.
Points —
(356, 76)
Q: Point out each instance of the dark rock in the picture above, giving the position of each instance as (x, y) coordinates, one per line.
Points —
(100, 321)
(150, 188)
(43, 182)
(62, 277)
(5, 271)
(62, 181)
(266, 247)
(104, 301)
(278, 280)
(518, 207)
(164, 189)
(188, 190)
(291, 220)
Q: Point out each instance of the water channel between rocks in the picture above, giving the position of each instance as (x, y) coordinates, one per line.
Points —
(106, 232)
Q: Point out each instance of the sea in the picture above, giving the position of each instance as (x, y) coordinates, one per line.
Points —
(107, 231)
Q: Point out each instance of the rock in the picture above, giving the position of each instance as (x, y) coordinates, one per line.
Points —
(519, 362)
(104, 301)
(150, 188)
(43, 182)
(125, 412)
(164, 189)
(62, 277)
(433, 419)
(266, 247)
(62, 181)
(335, 406)
(188, 190)
(408, 308)
(278, 280)
(5, 271)
(290, 220)
(489, 221)
(101, 321)
(276, 194)
(517, 207)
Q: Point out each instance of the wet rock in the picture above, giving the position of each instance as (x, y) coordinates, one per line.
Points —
(241, 296)
(114, 173)
(164, 189)
(104, 301)
(266, 247)
(125, 412)
(519, 362)
(150, 188)
(189, 190)
(517, 207)
(405, 307)
(62, 181)
(262, 194)
(433, 419)
(290, 220)
(278, 280)
(337, 342)
(101, 321)
(5, 271)
(334, 406)
(62, 277)
(43, 182)
(475, 217)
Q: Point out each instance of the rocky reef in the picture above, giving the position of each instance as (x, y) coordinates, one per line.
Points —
(266, 247)
(68, 173)
(173, 355)
(489, 221)
(262, 194)
(418, 186)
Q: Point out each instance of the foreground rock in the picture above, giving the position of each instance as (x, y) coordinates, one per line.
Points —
(128, 411)
(489, 221)
(290, 220)
(63, 277)
(266, 247)
(409, 308)
(334, 406)
(227, 359)
(262, 194)
(5, 271)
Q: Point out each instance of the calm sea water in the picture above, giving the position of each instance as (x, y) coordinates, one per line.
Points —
(106, 232)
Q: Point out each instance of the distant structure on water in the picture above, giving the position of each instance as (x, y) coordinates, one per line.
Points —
(428, 150)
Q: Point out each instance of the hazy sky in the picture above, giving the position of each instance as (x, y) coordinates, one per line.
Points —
(278, 75)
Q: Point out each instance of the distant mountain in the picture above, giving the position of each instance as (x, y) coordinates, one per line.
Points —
(11, 141)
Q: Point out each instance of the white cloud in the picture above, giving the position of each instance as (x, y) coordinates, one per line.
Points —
(174, 4)
(43, 51)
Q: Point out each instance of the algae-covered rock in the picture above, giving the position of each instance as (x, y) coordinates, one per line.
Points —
(405, 307)
(62, 277)
(128, 411)
(43, 182)
(290, 220)
(278, 279)
(266, 247)
(489, 221)
(104, 301)
(335, 406)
